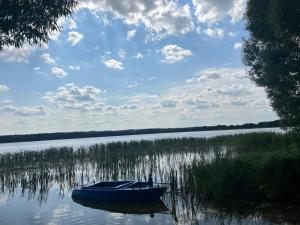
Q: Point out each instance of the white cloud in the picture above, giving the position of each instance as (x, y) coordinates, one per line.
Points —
(139, 56)
(133, 85)
(12, 54)
(200, 103)
(25, 111)
(113, 64)
(204, 76)
(218, 100)
(73, 96)
(238, 45)
(238, 102)
(59, 72)
(168, 103)
(74, 67)
(224, 98)
(226, 73)
(74, 37)
(142, 97)
(214, 32)
(174, 53)
(213, 11)
(128, 107)
(8, 108)
(131, 34)
(232, 34)
(36, 68)
(121, 53)
(233, 90)
(3, 88)
(47, 58)
(72, 24)
(151, 78)
(31, 111)
(7, 101)
(158, 16)
(238, 10)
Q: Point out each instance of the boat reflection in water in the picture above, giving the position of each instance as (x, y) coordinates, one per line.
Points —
(133, 207)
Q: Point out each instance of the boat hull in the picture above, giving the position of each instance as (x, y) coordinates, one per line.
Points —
(143, 194)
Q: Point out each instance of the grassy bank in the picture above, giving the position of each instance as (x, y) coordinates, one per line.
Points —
(267, 170)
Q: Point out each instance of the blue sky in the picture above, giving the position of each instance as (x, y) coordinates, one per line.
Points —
(133, 64)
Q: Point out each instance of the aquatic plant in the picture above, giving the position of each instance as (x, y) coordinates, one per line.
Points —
(268, 176)
(216, 168)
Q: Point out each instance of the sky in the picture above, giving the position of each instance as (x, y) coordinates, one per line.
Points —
(133, 64)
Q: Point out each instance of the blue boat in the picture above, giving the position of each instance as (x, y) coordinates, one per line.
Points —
(121, 191)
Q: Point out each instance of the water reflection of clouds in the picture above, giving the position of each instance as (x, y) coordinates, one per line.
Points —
(37, 217)
(58, 214)
(3, 200)
(116, 216)
(61, 211)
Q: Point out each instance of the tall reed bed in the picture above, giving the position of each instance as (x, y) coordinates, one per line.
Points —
(269, 175)
(238, 143)
(216, 168)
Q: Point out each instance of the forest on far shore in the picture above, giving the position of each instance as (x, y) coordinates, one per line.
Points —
(89, 134)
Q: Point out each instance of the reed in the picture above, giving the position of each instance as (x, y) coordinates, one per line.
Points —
(256, 176)
(252, 166)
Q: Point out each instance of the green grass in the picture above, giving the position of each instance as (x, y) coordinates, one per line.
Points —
(251, 176)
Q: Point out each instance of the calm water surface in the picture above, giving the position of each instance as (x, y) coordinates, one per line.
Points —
(39, 145)
(34, 191)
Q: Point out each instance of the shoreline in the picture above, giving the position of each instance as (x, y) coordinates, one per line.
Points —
(93, 134)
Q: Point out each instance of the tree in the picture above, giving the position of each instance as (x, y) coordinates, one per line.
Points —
(272, 53)
(31, 21)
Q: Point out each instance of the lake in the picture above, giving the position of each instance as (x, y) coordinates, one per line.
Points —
(39, 145)
(35, 187)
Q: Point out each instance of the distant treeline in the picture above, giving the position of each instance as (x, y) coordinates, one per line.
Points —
(89, 134)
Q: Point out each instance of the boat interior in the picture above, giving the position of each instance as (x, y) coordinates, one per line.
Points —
(118, 185)
(138, 185)
(114, 184)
